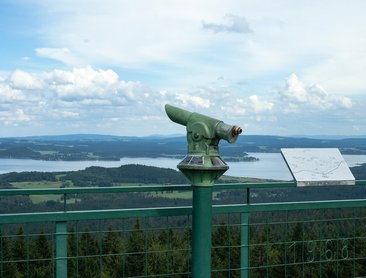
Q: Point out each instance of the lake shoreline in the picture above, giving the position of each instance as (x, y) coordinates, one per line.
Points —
(269, 165)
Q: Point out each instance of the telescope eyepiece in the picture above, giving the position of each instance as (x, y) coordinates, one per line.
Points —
(236, 130)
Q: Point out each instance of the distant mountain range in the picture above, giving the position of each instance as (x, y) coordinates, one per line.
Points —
(109, 147)
(75, 137)
(101, 137)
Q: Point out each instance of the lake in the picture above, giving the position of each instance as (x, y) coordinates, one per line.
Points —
(269, 166)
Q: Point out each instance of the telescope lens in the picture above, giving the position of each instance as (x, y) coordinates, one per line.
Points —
(236, 131)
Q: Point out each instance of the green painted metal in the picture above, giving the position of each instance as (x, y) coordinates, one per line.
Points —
(61, 249)
(201, 229)
(280, 184)
(202, 166)
(360, 182)
(244, 245)
(203, 132)
(265, 207)
(276, 184)
(1, 255)
(13, 218)
(145, 188)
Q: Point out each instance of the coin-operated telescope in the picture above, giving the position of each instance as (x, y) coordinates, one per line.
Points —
(203, 136)
(202, 166)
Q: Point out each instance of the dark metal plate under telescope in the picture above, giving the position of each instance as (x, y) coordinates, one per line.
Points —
(318, 166)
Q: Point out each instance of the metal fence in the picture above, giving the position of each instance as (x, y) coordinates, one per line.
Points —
(288, 239)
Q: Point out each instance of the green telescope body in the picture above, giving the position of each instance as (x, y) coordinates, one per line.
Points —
(203, 136)
(201, 127)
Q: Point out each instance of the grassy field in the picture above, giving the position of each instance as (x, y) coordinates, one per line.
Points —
(37, 184)
(173, 194)
(179, 195)
(48, 152)
(168, 194)
(42, 184)
(57, 198)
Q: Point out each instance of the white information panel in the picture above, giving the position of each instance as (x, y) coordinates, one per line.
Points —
(318, 167)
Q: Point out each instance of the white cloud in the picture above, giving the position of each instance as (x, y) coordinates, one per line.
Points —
(252, 106)
(69, 114)
(324, 43)
(86, 97)
(14, 117)
(189, 100)
(23, 80)
(97, 100)
(63, 55)
(343, 72)
(21, 116)
(260, 105)
(8, 94)
(120, 33)
(238, 24)
(83, 83)
(296, 94)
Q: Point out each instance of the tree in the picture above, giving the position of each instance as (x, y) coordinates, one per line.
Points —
(88, 262)
(135, 248)
(157, 258)
(113, 247)
(41, 252)
(18, 251)
(220, 250)
(9, 267)
(71, 253)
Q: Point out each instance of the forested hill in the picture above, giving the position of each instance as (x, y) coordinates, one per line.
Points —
(99, 176)
(104, 147)
(132, 173)
(140, 175)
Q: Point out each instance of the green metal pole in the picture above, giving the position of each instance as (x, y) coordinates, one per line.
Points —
(201, 231)
(244, 241)
(61, 249)
(244, 245)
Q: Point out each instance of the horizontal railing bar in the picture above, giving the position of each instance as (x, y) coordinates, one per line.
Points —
(145, 188)
(301, 221)
(277, 184)
(274, 184)
(266, 207)
(13, 218)
(306, 263)
(174, 211)
(360, 182)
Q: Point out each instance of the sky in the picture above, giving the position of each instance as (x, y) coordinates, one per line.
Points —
(109, 67)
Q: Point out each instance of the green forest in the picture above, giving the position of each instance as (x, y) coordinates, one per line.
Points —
(287, 246)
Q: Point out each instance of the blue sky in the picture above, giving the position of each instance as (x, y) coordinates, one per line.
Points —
(108, 67)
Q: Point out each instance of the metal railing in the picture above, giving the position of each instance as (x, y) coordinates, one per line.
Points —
(286, 239)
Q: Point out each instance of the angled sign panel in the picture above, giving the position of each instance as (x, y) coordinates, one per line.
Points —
(318, 166)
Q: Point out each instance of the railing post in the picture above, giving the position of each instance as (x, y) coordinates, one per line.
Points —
(201, 229)
(244, 245)
(61, 249)
(244, 241)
